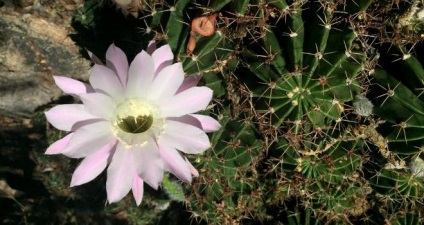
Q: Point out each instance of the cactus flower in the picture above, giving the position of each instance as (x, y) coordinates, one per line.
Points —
(134, 119)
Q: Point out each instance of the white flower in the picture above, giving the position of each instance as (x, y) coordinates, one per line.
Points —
(134, 118)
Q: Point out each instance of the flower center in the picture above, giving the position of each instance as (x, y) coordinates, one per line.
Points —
(135, 125)
(136, 121)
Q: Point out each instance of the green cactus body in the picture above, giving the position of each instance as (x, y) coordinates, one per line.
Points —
(401, 93)
(229, 176)
(302, 70)
(399, 184)
(401, 106)
(309, 80)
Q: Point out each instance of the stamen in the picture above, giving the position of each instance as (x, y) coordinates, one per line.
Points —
(136, 121)
(135, 125)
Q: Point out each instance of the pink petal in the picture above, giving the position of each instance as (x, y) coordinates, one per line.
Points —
(149, 163)
(104, 79)
(162, 57)
(93, 165)
(94, 58)
(206, 123)
(71, 86)
(167, 82)
(189, 101)
(174, 162)
(189, 82)
(117, 61)
(140, 75)
(120, 174)
(138, 189)
(98, 104)
(65, 117)
(193, 170)
(187, 119)
(209, 124)
(89, 139)
(151, 47)
(186, 138)
(58, 146)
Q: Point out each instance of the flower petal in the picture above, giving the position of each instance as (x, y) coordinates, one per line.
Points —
(138, 189)
(98, 104)
(193, 170)
(186, 102)
(174, 162)
(93, 165)
(166, 82)
(189, 82)
(149, 163)
(151, 47)
(58, 146)
(117, 61)
(208, 123)
(186, 138)
(94, 58)
(65, 117)
(187, 119)
(71, 86)
(105, 80)
(162, 57)
(120, 174)
(140, 75)
(89, 139)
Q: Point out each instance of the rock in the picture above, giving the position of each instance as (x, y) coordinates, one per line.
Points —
(32, 49)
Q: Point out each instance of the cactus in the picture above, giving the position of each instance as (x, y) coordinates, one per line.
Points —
(298, 84)
(398, 22)
(401, 94)
(298, 78)
(226, 191)
(308, 79)
(400, 105)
